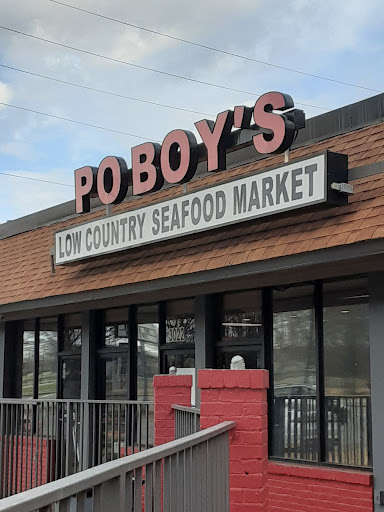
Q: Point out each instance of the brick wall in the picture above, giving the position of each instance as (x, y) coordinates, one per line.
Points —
(295, 488)
(169, 390)
(256, 484)
(27, 463)
(240, 396)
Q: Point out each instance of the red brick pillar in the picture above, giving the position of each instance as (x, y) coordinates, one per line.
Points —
(169, 390)
(240, 396)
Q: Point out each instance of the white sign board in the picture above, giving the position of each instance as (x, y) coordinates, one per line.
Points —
(289, 187)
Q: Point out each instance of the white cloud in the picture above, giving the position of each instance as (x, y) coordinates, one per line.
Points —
(5, 94)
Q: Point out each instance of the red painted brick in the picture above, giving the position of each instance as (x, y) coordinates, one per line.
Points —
(297, 487)
(240, 396)
(169, 390)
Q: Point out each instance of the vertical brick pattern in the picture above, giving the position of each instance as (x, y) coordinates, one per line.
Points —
(32, 463)
(294, 488)
(169, 390)
(240, 396)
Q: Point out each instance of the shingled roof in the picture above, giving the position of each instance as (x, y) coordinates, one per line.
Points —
(25, 273)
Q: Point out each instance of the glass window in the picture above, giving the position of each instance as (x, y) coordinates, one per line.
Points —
(147, 349)
(48, 357)
(242, 330)
(346, 372)
(242, 316)
(28, 359)
(116, 327)
(179, 360)
(115, 373)
(70, 368)
(294, 353)
(72, 333)
(180, 321)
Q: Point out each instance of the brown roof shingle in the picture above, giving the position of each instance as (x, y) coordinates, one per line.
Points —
(25, 273)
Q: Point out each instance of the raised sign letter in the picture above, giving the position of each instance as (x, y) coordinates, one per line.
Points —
(178, 158)
(280, 131)
(215, 136)
(146, 175)
(112, 180)
(85, 186)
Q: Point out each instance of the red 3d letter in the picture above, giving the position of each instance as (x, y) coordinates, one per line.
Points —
(279, 131)
(146, 175)
(215, 137)
(178, 158)
(85, 187)
(112, 180)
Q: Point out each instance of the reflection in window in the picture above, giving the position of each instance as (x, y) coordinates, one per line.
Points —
(242, 315)
(115, 370)
(72, 333)
(180, 360)
(71, 377)
(28, 359)
(180, 321)
(48, 357)
(347, 372)
(294, 355)
(116, 327)
(147, 350)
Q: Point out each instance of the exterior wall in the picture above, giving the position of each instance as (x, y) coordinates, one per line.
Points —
(257, 484)
(241, 396)
(376, 329)
(313, 489)
(169, 390)
(35, 463)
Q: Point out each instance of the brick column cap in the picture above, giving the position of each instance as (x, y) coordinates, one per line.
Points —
(166, 381)
(229, 379)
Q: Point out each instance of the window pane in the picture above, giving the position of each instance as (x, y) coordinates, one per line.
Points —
(48, 358)
(147, 350)
(242, 316)
(346, 372)
(294, 409)
(179, 361)
(252, 358)
(28, 359)
(180, 322)
(116, 327)
(70, 375)
(115, 371)
(72, 333)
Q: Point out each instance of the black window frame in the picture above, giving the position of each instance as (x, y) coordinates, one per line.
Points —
(174, 348)
(320, 379)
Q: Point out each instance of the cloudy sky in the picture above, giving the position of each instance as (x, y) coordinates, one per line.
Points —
(339, 40)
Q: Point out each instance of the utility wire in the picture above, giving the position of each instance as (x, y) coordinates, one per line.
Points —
(105, 92)
(77, 122)
(212, 48)
(35, 179)
(180, 77)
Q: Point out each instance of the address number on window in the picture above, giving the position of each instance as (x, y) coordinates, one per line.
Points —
(175, 334)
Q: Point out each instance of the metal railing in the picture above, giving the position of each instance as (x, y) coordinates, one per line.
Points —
(189, 475)
(44, 440)
(347, 435)
(187, 420)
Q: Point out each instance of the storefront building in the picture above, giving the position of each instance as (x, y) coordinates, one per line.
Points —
(289, 275)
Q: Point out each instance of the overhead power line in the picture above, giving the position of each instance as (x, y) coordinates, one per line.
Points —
(77, 122)
(35, 179)
(137, 66)
(214, 49)
(105, 92)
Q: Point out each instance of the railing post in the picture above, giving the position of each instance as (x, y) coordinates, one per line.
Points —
(240, 396)
(169, 390)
